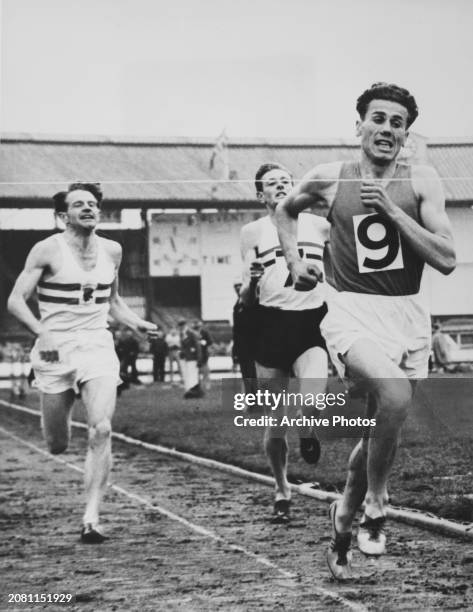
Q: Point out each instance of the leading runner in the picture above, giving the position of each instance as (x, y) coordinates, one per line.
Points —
(387, 221)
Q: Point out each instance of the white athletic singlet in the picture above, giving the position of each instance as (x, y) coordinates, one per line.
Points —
(74, 299)
(276, 287)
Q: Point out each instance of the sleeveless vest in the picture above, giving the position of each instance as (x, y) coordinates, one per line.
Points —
(276, 287)
(73, 299)
(367, 253)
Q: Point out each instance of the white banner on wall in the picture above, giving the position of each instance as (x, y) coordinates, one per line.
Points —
(221, 261)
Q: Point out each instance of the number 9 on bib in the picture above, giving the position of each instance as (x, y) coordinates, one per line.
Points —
(377, 242)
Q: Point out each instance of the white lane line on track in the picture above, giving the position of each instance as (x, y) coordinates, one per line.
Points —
(416, 518)
(197, 528)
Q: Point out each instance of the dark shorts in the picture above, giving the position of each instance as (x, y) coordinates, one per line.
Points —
(283, 335)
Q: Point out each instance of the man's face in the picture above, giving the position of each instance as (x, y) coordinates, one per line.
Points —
(383, 130)
(277, 184)
(82, 209)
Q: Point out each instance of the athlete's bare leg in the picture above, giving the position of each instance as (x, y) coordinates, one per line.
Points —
(275, 438)
(56, 419)
(99, 397)
(391, 391)
(311, 370)
(357, 481)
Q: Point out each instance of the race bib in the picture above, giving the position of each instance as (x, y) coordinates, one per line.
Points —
(378, 244)
(87, 293)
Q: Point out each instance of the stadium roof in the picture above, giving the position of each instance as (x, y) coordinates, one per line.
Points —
(175, 173)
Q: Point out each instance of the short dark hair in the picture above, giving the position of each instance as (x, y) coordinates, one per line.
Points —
(391, 92)
(59, 198)
(262, 171)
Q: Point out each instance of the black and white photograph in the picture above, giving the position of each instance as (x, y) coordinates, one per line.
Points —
(236, 305)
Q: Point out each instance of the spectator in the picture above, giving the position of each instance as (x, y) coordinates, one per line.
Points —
(205, 342)
(18, 382)
(242, 346)
(191, 355)
(173, 340)
(159, 350)
(125, 383)
(443, 346)
(128, 349)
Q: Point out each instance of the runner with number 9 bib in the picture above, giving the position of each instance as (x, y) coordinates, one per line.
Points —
(387, 221)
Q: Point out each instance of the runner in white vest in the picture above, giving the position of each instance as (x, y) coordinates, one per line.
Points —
(287, 338)
(75, 275)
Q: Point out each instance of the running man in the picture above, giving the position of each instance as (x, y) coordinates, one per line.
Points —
(287, 336)
(387, 221)
(75, 275)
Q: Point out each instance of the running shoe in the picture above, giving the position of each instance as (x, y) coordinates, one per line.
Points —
(339, 554)
(371, 537)
(281, 513)
(90, 535)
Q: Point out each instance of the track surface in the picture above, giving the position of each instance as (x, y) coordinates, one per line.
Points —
(226, 557)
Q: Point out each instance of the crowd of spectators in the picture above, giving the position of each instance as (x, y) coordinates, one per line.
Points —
(183, 349)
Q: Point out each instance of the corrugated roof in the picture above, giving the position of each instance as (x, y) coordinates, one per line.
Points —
(453, 161)
(33, 167)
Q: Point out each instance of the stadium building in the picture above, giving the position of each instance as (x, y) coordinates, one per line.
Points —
(177, 207)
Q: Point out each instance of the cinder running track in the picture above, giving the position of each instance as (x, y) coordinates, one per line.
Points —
(187, 538)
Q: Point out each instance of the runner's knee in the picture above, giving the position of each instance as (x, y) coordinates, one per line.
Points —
(393, 401)
(100, 432)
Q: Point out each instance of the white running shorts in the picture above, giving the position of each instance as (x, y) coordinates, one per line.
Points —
(399, 325)
(83, 355)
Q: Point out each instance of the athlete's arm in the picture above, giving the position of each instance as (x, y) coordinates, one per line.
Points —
(252, 270)
(36, 263)
(316, 190)
(433, 241)
(119, 310)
